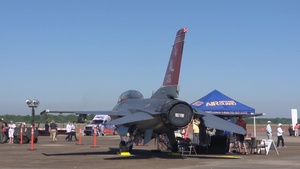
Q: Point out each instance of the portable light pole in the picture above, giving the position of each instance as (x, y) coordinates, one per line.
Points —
(32, 104)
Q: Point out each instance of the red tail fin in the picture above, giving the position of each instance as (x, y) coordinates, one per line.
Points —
(173, 69)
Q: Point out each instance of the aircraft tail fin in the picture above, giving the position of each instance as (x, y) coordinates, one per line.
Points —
(173, 69)
(170, 88)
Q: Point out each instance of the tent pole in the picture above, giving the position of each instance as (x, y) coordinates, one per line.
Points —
(254, 125)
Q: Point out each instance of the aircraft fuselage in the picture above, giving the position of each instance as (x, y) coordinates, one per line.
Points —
(169, 114)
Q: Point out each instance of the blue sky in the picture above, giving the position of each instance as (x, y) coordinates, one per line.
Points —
(81, 55)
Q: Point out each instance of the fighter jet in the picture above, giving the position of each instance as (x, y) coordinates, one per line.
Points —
(163, 113)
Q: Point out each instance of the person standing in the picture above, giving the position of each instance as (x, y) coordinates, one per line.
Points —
(291, 130)
(1, 133)
(46, 128)
(11, 130)
(73, 131)
(102, 130)
(296, 128)
(99, 129)
(56, 132)
(240, 137)
(230, 138)
(53, 129)
(68, 130)
(279, 136)
(269, 130)
(196, 131)
(3, 129)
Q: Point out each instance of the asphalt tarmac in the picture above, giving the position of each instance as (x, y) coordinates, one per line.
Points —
(69, 155)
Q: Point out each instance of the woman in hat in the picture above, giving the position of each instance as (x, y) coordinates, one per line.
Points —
(11, 131)
(279, 136)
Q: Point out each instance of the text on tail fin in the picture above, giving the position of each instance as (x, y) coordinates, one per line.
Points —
(173, 69)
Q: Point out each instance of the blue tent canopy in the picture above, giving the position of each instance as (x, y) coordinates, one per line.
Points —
(219, 104)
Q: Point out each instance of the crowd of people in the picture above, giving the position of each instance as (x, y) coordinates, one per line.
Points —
(242, 143)
(50, 129)
(293, 131)
(7, 129)
(201, 134)
(70, 131)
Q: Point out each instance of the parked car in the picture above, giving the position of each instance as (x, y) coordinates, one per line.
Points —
(99, 119)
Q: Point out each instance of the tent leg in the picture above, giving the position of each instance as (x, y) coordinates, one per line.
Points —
(254, 125)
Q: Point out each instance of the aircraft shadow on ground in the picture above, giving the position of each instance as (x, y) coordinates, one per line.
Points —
(135, 154)
(213, 156)
(143, 154)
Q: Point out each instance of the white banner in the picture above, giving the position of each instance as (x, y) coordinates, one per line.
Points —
(294, 117)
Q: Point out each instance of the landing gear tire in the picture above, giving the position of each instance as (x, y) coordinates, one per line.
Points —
(35, 140)
(130, 148)
(175, 148)
(16, 140)
(25, 140)
(4, 138)
(123, 147)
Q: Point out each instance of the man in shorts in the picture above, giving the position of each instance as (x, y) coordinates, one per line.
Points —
(240, 137)
(230, 138)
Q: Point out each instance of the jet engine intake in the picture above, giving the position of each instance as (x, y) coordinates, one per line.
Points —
(176, 114)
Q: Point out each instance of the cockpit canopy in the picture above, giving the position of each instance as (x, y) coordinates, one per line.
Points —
(130, 94)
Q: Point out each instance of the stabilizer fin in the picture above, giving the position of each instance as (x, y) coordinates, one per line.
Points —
(170, 88)
(173, 69)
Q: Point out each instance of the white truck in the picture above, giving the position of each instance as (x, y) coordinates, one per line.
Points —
(99, 119)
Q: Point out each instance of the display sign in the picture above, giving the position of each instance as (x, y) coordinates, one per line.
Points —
(269, 145)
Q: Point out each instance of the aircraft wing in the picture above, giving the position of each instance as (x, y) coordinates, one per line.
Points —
(139, 116)
(111, 113)
(127, 116)
(213, 121)
(235, 115)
